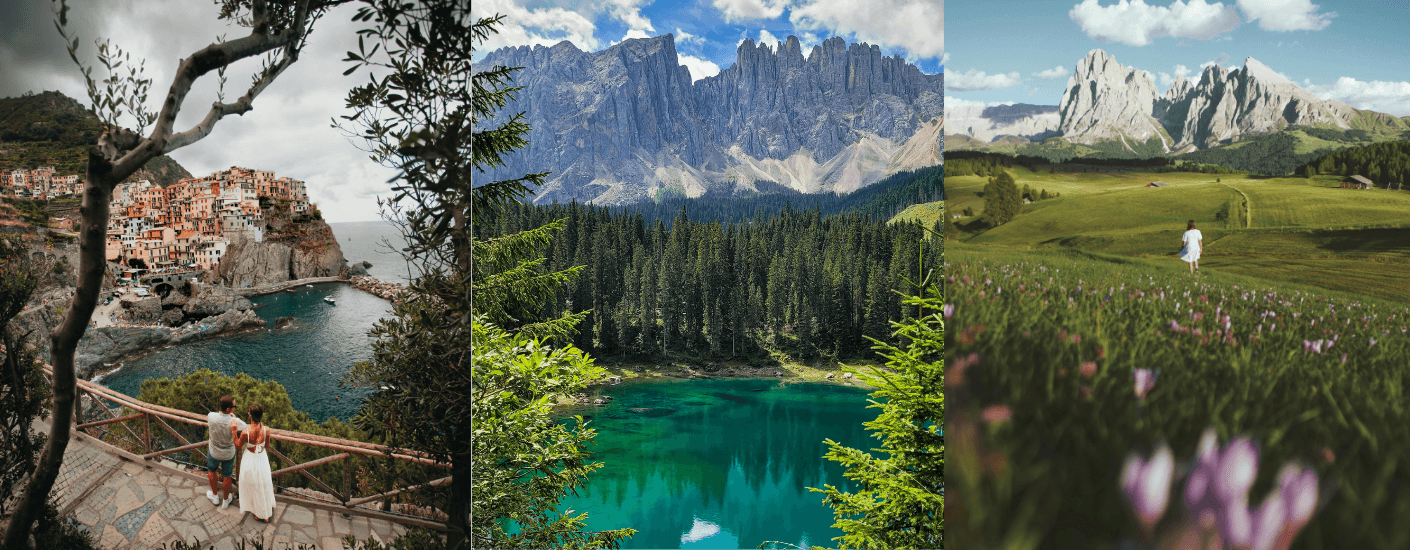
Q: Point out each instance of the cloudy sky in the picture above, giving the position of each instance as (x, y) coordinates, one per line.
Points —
(1013, 51)
(708, 32)
(289, 129)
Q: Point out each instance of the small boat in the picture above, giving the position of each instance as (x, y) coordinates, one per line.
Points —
(290, 291)
(310, 286)
(329, 299)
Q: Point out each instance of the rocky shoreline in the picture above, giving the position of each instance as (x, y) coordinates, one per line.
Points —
(140, 326)
(379, 288)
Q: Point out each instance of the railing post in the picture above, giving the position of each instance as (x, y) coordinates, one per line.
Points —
(146, 433)
(347, 479)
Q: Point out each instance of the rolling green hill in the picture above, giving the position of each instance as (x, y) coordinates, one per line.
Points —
(51, 129)
(1304, 230)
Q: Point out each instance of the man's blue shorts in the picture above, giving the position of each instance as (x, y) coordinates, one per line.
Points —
(226, 467)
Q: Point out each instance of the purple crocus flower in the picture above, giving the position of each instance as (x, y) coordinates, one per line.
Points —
(1147, 485)
(949, 309)
(1145, 381)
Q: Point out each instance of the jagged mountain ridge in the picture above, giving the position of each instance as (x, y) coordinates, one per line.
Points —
(619, 125)
(988, 123)
(1107, 101)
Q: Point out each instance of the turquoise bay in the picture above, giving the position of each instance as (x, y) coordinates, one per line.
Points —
(308, 358)
(719, 463)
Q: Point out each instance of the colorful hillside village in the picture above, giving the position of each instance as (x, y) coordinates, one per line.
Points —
(192, 222)
(40, 183)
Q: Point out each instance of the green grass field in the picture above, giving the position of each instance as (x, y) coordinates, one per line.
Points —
(1044, 350)
(1309, 231)
(1293, 336)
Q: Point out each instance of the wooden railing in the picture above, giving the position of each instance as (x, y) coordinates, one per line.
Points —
(157, 416)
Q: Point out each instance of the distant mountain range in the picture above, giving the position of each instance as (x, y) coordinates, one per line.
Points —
(627, 124)
(1110, 105)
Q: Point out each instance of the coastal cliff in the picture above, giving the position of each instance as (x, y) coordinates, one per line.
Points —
(293, 248)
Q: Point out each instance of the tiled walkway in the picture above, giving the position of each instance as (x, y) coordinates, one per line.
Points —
(128, 505)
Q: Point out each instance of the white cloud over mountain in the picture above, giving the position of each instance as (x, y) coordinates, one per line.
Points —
(918, 26)
(1135, 23)
(1285, 15)
(975, 81)
(1055, 72)
(743, 10)
(1392, 98)
(699, 68)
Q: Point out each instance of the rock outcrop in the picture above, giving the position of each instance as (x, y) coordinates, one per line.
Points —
(110, 344)
(617, 126)
(250, 264)
(209, 300)
(1106, 101)
(379, 288)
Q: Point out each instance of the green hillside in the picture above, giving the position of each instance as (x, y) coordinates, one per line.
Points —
(1304, 230)
(51, 129)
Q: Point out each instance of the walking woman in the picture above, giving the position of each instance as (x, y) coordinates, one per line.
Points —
(1194, 243)
(256, 485)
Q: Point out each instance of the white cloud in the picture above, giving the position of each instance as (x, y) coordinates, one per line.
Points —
(629, 12)
(699, 68)
(1216, 61)
(1055, 72)
(535, 27)
(918, 26)
(684, 37)
(952, 102)
(740, 10)
(1166, 80)
(1285, 15)
(1181, 70)
(1386, 97)
(1135, 23)
(768, 39)
(974, 81)
(945, 58)
(632, 33)
(1031, 92)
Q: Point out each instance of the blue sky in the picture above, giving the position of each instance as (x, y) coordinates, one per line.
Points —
(708, 32)
(1009, 51)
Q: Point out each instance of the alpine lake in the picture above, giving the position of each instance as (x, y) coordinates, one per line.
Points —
(716, 463)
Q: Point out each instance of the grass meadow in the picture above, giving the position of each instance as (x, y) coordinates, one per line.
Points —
(1044, 349)
(1103, 397)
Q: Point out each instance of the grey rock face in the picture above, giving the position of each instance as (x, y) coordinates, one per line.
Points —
(1106, 101)
(144, 311)
(616, 125)
(209, 300)
(109, 344)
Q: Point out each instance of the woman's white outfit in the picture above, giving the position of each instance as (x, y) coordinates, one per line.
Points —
(1191, 251)
(256, 485)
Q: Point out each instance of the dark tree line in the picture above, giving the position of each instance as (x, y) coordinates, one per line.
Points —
(880, 201)
(1384, 163)
(1272, 154)
(799, 282)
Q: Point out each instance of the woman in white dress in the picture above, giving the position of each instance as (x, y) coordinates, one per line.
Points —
(256, 485)
(1194, 243)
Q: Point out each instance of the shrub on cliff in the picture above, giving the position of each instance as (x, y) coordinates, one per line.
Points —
(200, 392)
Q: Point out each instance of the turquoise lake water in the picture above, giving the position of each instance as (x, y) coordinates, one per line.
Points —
(308, 359)
(719, 463)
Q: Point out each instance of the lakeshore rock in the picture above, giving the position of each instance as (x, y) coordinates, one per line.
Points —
(283, 322)
(381, 289)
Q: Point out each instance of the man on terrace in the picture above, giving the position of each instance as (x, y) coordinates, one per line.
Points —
(220, 453)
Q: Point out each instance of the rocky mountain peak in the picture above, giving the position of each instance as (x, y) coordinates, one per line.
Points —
(1106, 100)
(1253, 68)
(616, 125)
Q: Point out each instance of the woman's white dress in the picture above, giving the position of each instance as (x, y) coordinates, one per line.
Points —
(256, 485)
(1191, 251)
